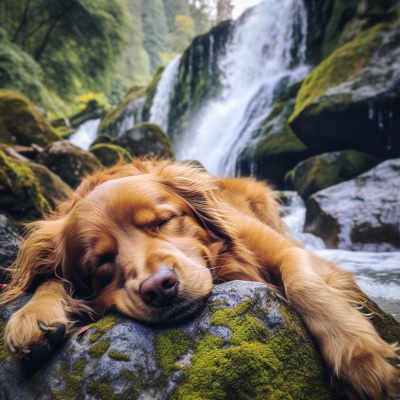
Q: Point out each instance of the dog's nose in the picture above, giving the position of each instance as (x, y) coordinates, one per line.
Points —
(160, 289)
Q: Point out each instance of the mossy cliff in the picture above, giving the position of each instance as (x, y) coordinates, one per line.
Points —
(349, 100)
(21, 123)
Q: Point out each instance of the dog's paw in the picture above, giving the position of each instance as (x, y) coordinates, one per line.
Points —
(373, 372)
(31, 335)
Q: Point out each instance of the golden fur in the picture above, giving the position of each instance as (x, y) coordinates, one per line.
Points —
(124, 225)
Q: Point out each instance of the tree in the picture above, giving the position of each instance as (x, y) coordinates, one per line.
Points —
(76, 42)
(183, 34)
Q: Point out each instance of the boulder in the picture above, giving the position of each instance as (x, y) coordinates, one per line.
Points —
(9, 242)
(360, 214)
(54, 189)
(110, 154)
(328, 169)
(21, 195)
(350, 100)
(274, 150)
(246, 343)
(146, 139)
(21, 123)
(69, 162)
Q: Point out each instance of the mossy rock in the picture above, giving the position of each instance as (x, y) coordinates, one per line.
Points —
(246, 344)
(21, 194)
(54, 189)
(348, 101)
(146, 139)
(21, 123)
(69, 162)
(103, 139)
(110, 154)
(328, 169)
(275, 149)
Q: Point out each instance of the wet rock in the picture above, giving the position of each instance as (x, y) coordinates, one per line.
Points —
(146, 139)
(110, 154)
(245, 343)
(69, 162)
(360, 214)
(328, 169)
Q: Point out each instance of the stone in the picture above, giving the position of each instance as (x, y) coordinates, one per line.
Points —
(110, 154)
(361, 214)
(69, 162)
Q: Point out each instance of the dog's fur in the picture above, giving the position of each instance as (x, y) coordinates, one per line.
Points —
(124, 225)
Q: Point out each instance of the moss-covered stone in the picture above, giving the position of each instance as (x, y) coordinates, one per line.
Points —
(99, 349)
(54, 189)
(21, 194)
(110, 154)
(348, 100)
(116, 355)
(69, 162)
(21, 123)
(328, 169)
(101, 327)
(146, 139)
(3, 350)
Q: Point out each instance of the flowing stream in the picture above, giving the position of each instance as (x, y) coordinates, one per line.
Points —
(86, 134)
(254, 69)
(378, 274)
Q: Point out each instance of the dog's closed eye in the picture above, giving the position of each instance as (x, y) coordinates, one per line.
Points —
(104, 259)
(156, 227)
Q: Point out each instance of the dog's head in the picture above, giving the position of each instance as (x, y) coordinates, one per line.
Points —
(140, 238)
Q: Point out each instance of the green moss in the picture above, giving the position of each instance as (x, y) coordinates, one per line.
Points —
(151, 90)
(73, 381)
(110, 154)
(252, 363)
(21, 123)
(101, 327)
(3, 349)
(344, 65)
(79, 367)
(98, 349)
(21, 193)
(101, 390)
(116, 355)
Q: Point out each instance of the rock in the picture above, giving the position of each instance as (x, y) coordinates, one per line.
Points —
(328, 169)
(247, 342)
(349, 100)
(146, 139)
(54, 189)
(21, 123)
(125, 115)
(275, 149)
(110, 154)
(69, 162)
(9, 242)
(360, 214)
(21, 195)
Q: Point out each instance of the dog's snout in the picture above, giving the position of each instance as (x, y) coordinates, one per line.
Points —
(160, 289)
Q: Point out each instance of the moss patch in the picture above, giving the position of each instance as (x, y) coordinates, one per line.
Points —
(252, 363)
(99, 349)
(73, 381)
(101, 327)
(110, 154)
(116, 355)
(101, 390)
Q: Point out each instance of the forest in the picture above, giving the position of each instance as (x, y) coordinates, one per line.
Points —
(60, 53)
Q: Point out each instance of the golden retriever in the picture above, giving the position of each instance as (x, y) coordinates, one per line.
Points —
(150, 238)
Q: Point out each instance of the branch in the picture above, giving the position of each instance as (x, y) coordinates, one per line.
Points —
(24, 20)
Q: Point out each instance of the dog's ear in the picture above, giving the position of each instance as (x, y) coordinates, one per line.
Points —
(200, 193)
(39, 258)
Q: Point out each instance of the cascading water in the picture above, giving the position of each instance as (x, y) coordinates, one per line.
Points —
(161, 103)
(265, 54)
(86, 134)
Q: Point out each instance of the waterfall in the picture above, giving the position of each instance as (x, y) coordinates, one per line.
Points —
(266, 53)
(160, 107)
(86, 134)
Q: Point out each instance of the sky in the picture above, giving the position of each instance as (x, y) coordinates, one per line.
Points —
(241, 5)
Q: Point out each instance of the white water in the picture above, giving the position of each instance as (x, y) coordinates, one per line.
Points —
(378, 274)
(86, 134)
(161, 103)
(257, 61)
